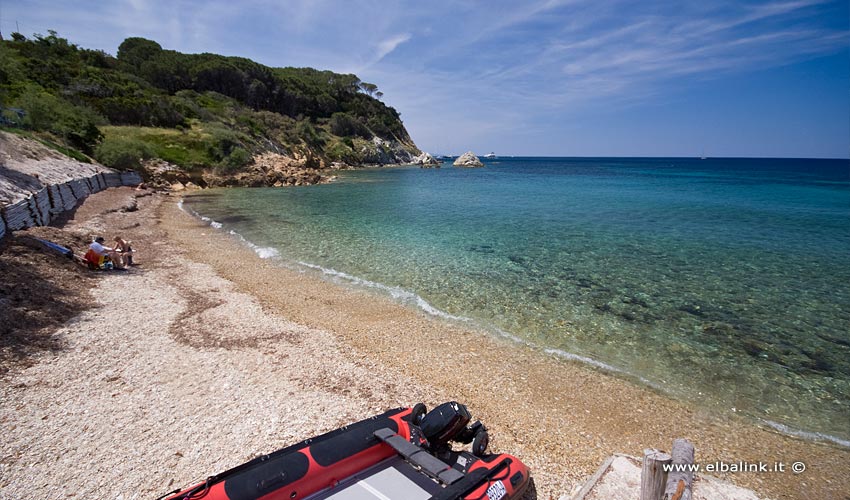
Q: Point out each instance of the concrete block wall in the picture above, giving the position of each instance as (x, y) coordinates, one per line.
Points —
(43, 206)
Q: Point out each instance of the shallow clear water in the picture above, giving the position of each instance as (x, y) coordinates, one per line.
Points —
(725, 281)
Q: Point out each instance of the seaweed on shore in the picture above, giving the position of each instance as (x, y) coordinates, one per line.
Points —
(40, 291)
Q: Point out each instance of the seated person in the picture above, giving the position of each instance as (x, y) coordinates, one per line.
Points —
(98, 254)
(123, 247)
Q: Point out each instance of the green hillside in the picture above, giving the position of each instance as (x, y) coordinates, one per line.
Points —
(194, 110)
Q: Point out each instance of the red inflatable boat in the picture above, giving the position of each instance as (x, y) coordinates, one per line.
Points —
(401, 454)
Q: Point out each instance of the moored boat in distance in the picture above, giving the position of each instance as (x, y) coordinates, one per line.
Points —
(490, 155)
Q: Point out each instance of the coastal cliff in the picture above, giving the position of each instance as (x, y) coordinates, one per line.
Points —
(213, 118)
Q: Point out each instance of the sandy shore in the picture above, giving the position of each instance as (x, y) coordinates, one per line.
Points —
(207, 355)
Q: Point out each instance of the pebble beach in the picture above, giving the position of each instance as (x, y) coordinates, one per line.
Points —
(207, 355)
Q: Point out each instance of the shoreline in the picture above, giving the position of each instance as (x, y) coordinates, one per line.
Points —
(379, 328)
(414, 301)
(222, 355)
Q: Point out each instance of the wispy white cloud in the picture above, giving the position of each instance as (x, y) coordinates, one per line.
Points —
(390, 44)
(622, 53)
(483, 66)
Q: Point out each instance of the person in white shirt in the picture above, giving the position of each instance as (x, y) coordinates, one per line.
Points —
(98, 248)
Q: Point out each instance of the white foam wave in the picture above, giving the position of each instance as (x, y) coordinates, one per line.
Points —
(810, 436)
(398, 293)
(410, 298)
(266, 252)
(598, 364)
(508, 335)
(262, 252)
(204, 218)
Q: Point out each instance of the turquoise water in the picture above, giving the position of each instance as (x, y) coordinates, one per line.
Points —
(723, 281)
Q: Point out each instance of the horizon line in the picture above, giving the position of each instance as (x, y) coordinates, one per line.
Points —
(667, 157)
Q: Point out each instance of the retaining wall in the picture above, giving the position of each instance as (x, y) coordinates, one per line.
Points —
(43, 206)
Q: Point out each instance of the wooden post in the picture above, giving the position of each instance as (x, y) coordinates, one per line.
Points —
(679, 483)
(653, 477)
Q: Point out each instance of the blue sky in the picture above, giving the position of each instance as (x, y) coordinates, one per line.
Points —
(573, 77)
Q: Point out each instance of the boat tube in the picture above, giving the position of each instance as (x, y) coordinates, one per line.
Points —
(403, 453)
(67, 252)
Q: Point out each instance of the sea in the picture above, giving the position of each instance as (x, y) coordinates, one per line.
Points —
(724, 282)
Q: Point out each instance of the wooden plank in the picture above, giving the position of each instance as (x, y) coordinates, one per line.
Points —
(590, 483)
(653, 477)
(680, 483)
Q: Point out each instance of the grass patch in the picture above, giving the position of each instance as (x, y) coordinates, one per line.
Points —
(187, 148)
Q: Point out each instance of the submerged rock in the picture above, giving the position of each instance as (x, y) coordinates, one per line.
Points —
(468, 159)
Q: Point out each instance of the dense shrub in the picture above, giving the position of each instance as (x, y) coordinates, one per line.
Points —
(123, 153)
(237, 158)
(221, 142)
(135, 51)
(48, 113)
(342, 151)
(345, 125)
(233, 105)
(308, 133)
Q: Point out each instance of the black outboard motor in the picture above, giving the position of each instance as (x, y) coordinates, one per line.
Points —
(447, 422)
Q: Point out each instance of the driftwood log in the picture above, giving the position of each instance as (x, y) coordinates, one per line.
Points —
(653, 476)
(680, 482)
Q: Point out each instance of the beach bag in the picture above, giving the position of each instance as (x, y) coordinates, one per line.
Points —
(93, 260)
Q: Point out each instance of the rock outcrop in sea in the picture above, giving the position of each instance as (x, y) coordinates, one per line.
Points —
(468, 159)
(425, 160)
